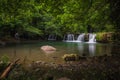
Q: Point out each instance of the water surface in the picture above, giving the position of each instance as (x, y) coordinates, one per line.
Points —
(31, 51)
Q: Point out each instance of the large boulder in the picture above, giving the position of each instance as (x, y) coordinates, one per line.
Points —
(48, 48)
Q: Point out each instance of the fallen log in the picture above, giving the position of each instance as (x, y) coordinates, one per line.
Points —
(7, 70)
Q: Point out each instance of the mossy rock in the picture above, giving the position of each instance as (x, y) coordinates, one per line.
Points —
(72, 57)
(104, 37)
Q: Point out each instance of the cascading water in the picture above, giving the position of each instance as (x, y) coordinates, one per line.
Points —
(92, 38)
(81, 37)
(69, 38)
(52, 37)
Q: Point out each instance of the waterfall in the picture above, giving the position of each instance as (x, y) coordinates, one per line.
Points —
(69, 38)
(81, 37)
(52, 37)
(92, 38)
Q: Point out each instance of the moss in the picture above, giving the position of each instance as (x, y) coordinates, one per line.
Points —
(71, 57)
(104, 37)
(5, 59)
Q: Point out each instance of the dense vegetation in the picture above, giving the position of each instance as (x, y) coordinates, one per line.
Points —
(33, 18)
(36, 19)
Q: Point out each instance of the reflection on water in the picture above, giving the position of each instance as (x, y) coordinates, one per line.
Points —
(32, 52)
(92, 49)
(81, 48)
(86, 49)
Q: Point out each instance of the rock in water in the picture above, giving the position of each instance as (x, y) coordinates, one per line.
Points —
(48, 48)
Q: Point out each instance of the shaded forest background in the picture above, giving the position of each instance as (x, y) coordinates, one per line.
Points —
(34, 19)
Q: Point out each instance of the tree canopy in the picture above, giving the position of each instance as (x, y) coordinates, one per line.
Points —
(44, 17)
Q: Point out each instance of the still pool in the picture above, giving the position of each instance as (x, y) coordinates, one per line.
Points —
(29, 52)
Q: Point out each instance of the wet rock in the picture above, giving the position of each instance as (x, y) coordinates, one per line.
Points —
(48, 48)
(71, 57)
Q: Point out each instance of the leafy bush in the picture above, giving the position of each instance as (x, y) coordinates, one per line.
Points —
(104, 36)
(4, 59)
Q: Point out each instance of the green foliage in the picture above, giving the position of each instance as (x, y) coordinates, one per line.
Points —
(99, 36)
(5, 59)
(44, 17)
(33, 30)
(104, 36)
(115, 14)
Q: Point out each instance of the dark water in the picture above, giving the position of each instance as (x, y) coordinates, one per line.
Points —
(31, 51)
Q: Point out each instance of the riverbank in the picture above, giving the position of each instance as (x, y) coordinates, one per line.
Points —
(101, 37)
(93, 68)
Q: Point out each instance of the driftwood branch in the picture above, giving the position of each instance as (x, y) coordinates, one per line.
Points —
(6, 71)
